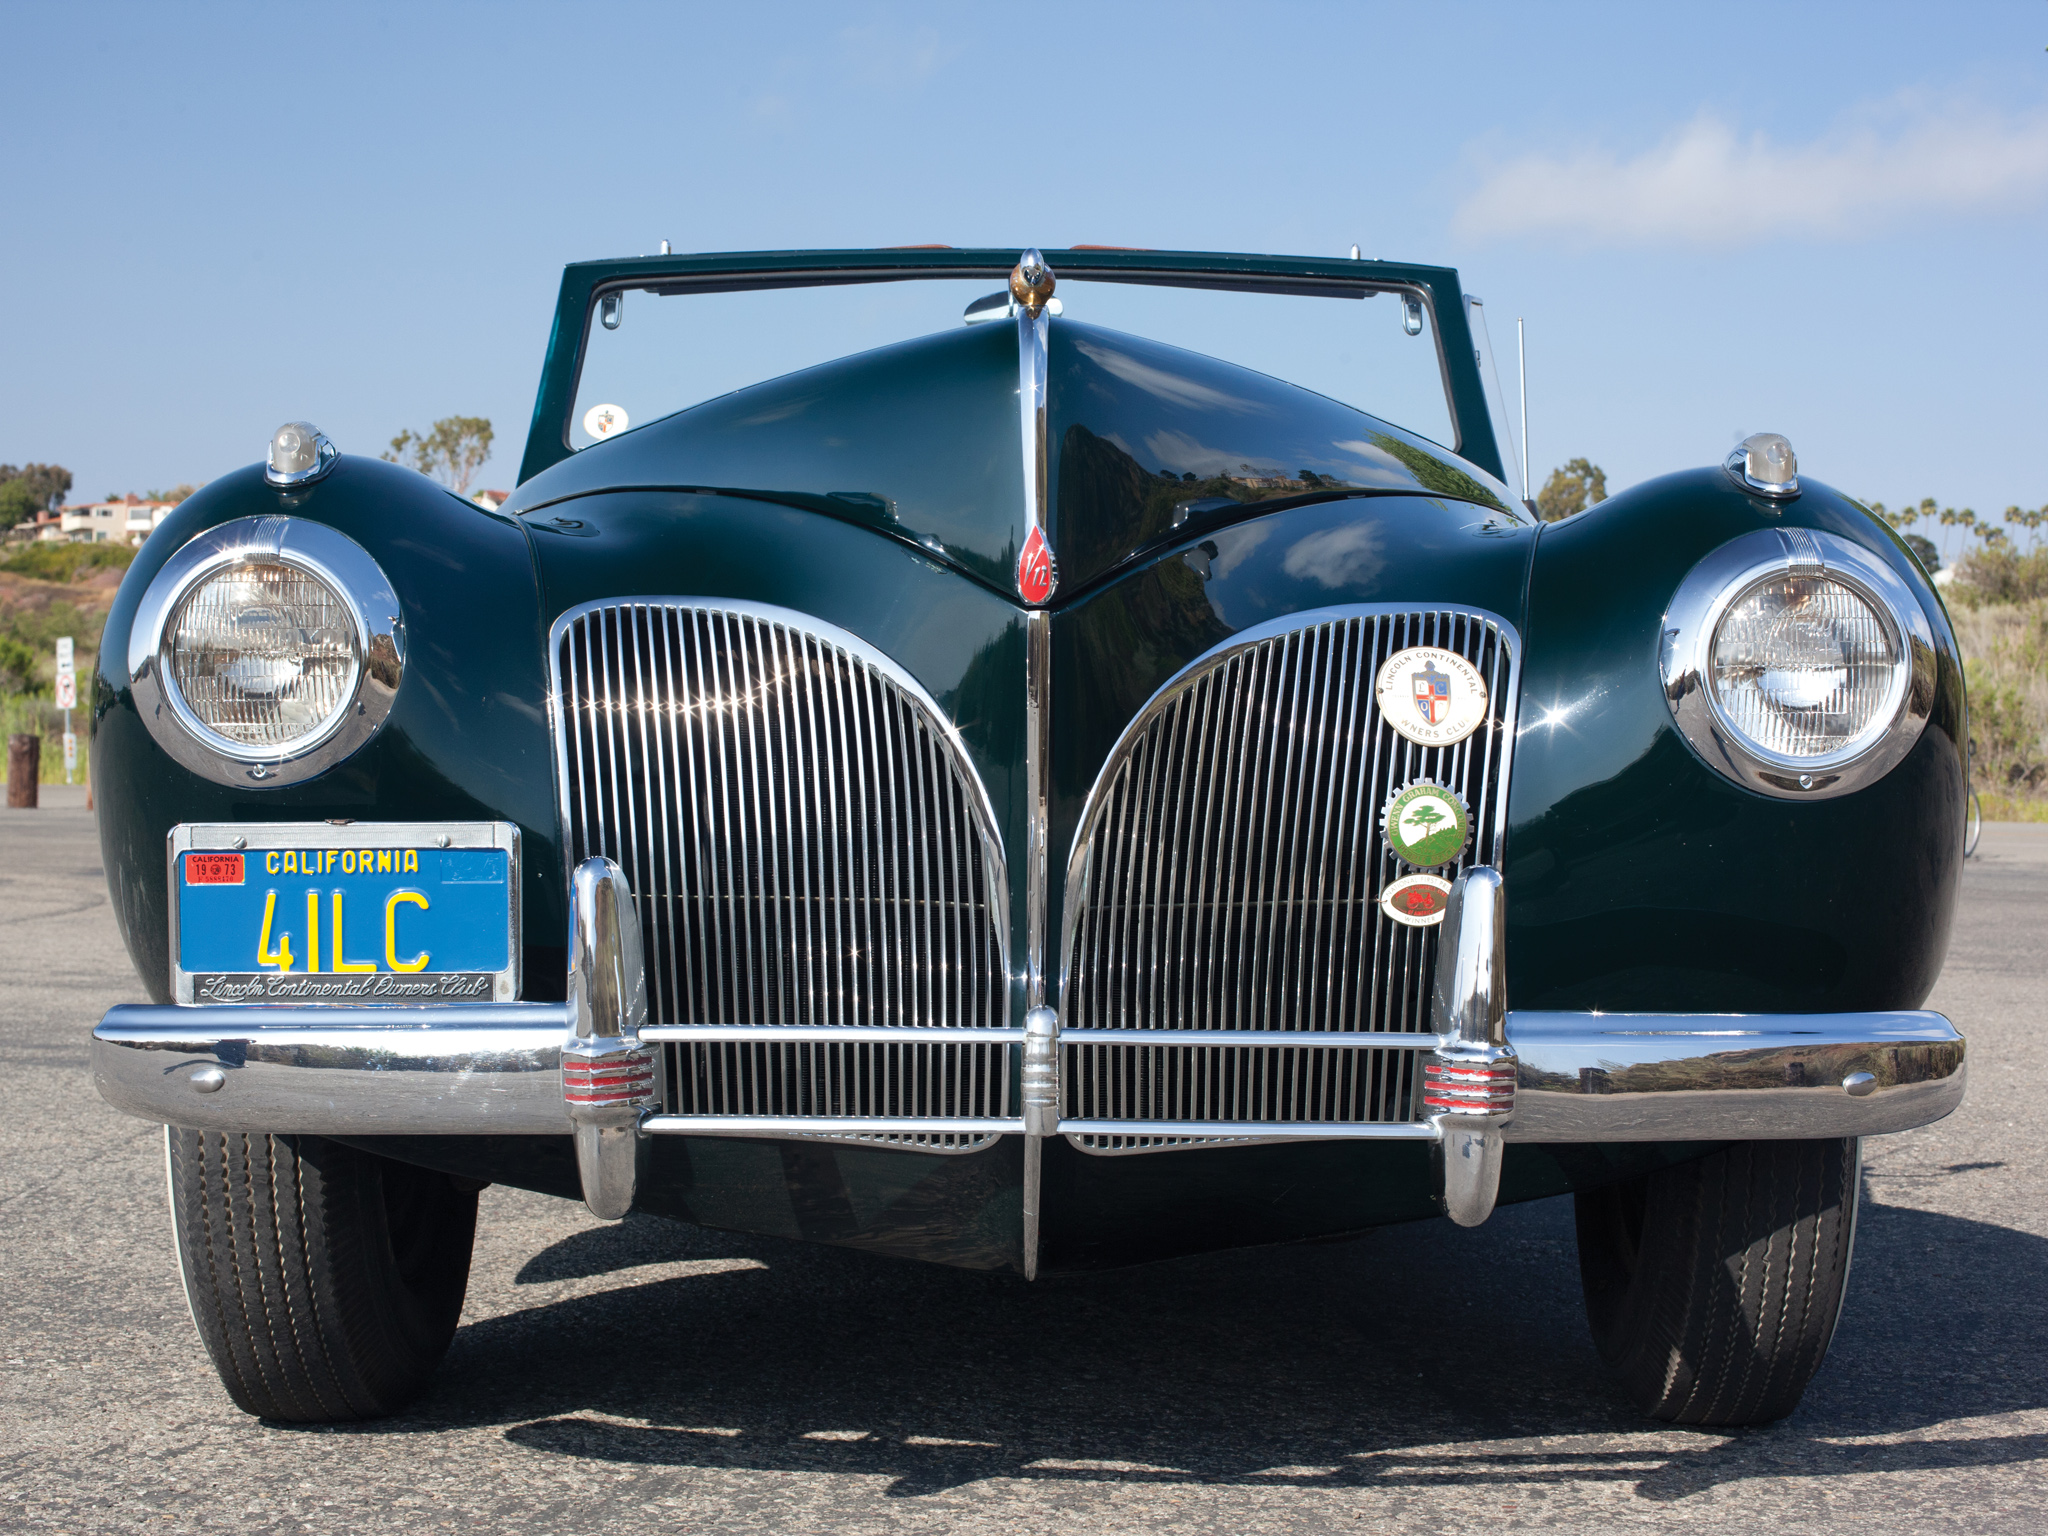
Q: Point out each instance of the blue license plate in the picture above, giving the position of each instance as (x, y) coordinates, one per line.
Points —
(372, 913)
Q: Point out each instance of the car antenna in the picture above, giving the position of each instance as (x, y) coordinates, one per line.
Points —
(1522, 363)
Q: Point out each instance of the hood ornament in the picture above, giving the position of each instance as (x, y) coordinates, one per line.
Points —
(1031, 283)
(1037, 571)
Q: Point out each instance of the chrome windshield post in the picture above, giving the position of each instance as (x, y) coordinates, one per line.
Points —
(608, 1077)
(1469, 1083)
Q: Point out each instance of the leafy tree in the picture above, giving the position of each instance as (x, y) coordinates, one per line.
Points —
(175, 494)
(17, 502)
(41, 488)
(451, 451)
(1924, 551)
(1573, 487)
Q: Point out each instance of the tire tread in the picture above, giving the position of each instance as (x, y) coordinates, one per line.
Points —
(1722, 1310)
(287, 1256)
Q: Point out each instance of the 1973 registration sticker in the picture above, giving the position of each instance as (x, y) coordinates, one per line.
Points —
(359, 912)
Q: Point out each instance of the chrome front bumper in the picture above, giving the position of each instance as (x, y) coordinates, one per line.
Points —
(585, 1068)
(485, 1069)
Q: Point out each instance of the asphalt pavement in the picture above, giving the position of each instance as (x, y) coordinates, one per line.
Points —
(651, 1376)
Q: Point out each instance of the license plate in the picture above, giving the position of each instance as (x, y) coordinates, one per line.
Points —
(363, 913)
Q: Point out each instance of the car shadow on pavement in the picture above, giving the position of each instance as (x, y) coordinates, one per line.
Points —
(1416, 1357)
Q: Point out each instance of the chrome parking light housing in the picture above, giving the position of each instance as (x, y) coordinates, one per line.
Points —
(1766, 465)
(299, 453)
(291, 572)
(1825, 730)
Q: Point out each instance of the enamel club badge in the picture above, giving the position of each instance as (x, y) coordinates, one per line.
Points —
(1434, 697)
(1417, 901)
(1426, 825)
(1037, 572)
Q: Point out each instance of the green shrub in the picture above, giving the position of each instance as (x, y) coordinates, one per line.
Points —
(1997, 573)
(67, 562)
(20, 667)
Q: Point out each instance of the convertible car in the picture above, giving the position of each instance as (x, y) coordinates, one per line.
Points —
(984, 784)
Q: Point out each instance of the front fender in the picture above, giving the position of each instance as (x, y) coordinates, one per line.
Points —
(1639, 878)
(466, 739)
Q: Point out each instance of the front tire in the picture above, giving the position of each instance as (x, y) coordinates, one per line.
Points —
(1713, 1287)
(325, 1282)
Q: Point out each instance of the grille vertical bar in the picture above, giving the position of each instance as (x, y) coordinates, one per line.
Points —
(807, 844)
(1229, 866)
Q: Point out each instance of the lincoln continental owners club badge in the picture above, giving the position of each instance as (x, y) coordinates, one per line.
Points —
(1434, 697)
(1426, 825)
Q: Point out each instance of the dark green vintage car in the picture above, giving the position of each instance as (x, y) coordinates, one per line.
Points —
(1027, 797)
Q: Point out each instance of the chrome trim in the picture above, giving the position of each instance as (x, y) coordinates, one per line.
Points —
(947, 735)
(463, 1069)
(1034, 326)
(838, 1034)
(254, 837)
(1037, 812)
(1031, 284)
(324, 456)
(1685, 657)
(1041, 1102)
(609, 1080)
(1471, 1081)
(1730, 1077)
(712, 742)
(472, 1069)
(1041, 1096)
(319, 551)
(1122, 1144)
(607, 976)
(1255, 1130)
(1479, 767)
(1321, 1040)
(1751, 463)
(830, 1125)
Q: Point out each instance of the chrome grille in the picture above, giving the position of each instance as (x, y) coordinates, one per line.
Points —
(1229, 866)
(807, 844)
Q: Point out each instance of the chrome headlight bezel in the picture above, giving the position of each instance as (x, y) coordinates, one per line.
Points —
(328, 556)
(1693, 620)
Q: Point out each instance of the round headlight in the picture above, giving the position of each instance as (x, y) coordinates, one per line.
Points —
(264, 655)
(1805, 667)
(1797, 663)
(266, 650)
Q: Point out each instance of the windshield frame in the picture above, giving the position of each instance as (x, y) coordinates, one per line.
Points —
(584, 284)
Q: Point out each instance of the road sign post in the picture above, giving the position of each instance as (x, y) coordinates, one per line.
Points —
(67, 700)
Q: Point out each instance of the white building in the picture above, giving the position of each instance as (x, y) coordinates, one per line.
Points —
(128, 520)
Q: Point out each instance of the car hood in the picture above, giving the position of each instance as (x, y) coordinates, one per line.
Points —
(923, 441)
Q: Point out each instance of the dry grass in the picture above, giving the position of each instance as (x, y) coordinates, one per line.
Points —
(2005, 655)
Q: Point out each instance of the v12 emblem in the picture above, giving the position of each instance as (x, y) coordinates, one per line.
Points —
(1037, 572)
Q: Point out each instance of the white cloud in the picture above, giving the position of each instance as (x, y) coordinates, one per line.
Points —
(893, 58)
(1170, 387)
(1338, 557)
(1708, 185)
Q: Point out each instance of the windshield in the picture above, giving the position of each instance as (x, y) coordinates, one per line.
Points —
(649, 354)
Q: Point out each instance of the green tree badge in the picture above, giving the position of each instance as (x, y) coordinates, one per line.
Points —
(1427, 825)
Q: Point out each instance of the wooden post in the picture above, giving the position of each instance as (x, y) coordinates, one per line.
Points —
(24, 766)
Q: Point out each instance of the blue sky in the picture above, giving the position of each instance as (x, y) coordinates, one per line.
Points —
(1822, 220)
